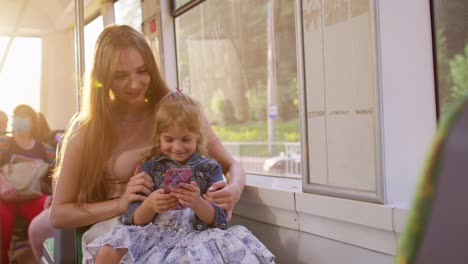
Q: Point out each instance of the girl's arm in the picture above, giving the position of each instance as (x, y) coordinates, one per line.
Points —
(156, 203)
(143, 215)
(65, 212)
(205, 212)
(188, 195)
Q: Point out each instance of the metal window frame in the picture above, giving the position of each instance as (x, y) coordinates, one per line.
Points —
(177, 11)
(377, 196)
(434, 55)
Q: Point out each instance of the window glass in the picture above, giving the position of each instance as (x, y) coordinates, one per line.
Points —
(91, 34)
(341, 105)
(128, 12)
(3, 45)
(20, 77)
(239, 61)
(451, 46)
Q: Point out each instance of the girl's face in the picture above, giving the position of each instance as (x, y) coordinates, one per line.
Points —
(178, 143)
(131, 78)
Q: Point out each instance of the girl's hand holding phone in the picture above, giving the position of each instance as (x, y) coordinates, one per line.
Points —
(188, 194)
(160, 202)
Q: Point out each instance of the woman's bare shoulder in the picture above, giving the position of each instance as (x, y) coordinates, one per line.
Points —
(75, 130)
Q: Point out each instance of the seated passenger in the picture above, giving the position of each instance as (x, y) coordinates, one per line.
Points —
(23, 145)
(106, 142)
(436, 230)
(40, 228)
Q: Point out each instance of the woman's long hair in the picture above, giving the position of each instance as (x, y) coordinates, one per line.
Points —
(94, 122)
(177, 109)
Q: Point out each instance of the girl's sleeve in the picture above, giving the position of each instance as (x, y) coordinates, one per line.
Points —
(127, 218)
(220, 214)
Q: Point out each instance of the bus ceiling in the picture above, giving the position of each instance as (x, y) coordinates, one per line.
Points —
(35, 18)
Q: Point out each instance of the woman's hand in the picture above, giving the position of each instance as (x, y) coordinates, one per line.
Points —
(160, 202)
(8, 192)
(188, 194)
(223, 195)
(138, 188)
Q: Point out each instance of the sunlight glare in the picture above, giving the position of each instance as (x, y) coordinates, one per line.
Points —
(20, 78)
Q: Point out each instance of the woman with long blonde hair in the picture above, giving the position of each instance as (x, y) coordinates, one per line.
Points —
(104, 143)
(174, 222)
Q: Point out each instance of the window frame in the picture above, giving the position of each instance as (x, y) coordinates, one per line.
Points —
(434, 55)
(179, 10)
(307, 187)
(377, 196)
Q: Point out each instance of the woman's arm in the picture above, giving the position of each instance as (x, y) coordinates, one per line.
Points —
(65, 213)
(208, 213)
(224, 195)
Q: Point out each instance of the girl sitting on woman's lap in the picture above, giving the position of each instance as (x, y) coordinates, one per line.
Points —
(154, 231)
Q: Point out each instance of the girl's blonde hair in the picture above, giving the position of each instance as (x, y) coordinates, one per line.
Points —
(178, 109)
(94, 121)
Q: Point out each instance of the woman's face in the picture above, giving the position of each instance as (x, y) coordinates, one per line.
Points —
(130, 79)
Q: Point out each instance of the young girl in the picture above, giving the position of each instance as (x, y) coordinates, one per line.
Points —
(154, 232)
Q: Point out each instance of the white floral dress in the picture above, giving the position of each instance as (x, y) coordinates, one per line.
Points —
(171, 239)
(178, 236)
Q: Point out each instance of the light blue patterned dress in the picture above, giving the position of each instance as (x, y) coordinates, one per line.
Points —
(179, 236)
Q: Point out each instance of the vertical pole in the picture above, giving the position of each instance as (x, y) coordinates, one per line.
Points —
(271, 82)
(107, 12)
(79, 48)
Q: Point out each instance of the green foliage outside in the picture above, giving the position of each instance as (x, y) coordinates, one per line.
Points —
(443, 70)
(257, 132)
(459, 74)
(452, 73)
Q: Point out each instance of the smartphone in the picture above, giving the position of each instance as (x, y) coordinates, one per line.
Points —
(174, 176)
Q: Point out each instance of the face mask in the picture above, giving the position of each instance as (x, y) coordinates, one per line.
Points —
(21, 124)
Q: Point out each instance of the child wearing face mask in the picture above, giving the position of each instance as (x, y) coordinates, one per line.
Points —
(157, 230)
(24, 145)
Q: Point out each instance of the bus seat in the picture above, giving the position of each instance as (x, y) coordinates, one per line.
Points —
(436, 230)
(65, 246)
